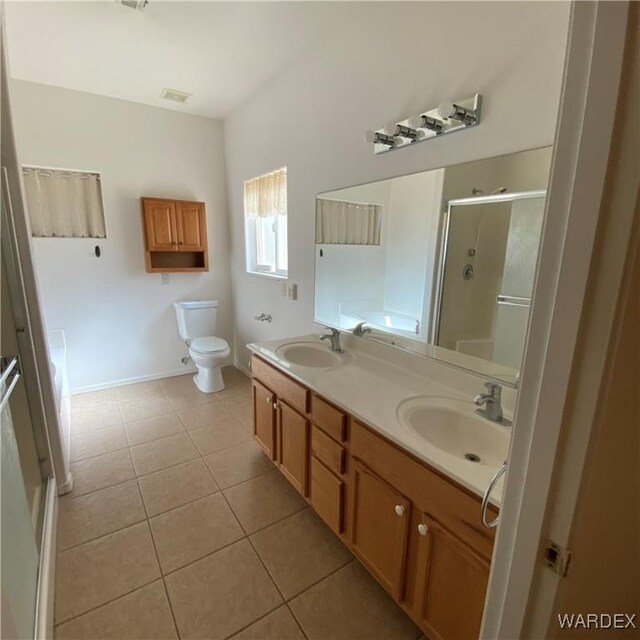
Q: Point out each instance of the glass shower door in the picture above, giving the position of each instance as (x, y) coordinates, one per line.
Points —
(19, 543)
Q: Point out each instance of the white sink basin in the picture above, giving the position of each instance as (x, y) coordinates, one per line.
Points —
(311, 354)
(454, 427)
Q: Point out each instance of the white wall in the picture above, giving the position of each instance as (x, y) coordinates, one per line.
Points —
(397, 59)
(118, 319)
(414, 216)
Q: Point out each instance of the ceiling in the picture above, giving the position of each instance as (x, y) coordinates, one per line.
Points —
(220, 52)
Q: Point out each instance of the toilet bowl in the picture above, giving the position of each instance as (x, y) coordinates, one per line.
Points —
(196, 326)
(208, 354)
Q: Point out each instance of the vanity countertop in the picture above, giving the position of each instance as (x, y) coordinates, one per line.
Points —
(370, 389)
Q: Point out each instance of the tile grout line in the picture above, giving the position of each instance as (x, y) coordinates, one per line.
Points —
(155, 550)
(104, 604)
(284, 601)
(173, 466)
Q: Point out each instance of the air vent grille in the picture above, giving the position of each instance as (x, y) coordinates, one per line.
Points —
(175, 96)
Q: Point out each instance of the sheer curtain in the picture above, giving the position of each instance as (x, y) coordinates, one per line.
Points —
(266, 195)
(64, 204)
(339, 222)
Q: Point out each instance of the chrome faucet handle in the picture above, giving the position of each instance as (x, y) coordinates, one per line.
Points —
(360, 329)
(493, 389)
(334, 332)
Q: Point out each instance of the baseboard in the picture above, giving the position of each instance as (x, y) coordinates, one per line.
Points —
(244, 370)
(66, 486)
(125, 381)
(47, 571)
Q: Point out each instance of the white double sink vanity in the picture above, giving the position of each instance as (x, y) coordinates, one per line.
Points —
(389, 450)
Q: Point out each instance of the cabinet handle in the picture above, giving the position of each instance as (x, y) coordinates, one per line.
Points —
(485, 499)
(423, 529)
(268, 399)
(399, 509)
(275, 405)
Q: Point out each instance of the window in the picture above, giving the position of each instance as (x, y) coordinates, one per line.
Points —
(265, 212)
(64, 203)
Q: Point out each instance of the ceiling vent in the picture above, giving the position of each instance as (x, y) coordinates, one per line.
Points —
(134, 4)
(175, 96)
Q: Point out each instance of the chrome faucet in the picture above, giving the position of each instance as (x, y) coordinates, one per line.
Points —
(360, 329)
(492, 407)
(334, 338)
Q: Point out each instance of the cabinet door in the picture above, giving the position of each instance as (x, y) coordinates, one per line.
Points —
(191, 226)
(451, 585)
(160, 225)
(293, 446)
(264, 419)
(379, 528)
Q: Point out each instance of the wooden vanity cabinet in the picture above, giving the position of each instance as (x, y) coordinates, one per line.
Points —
(264, 418)
(379, 528)
(281, 425)
(451, 584)
(329, 464)
(416, 531)
(293, 446)
(175, 234)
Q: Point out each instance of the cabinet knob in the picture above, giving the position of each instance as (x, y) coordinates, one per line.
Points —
(399, 509)
(268, 399)
(423, 529)
(275, 405)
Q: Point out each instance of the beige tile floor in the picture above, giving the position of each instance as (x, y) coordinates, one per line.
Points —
(180, 527)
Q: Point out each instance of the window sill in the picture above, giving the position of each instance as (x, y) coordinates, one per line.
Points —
(268, 276)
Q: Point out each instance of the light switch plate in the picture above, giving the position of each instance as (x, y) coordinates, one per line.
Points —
(164, 278)
(292, 291)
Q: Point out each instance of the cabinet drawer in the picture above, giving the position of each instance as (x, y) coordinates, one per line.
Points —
(329, 452)
(327, 495)
(456, 509)
(329, 419)
(294, 394)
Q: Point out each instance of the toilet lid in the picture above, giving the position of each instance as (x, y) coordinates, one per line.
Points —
(210, 344)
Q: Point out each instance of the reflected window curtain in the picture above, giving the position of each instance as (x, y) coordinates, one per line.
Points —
(339, 222)
(64, 204)
(266, 195)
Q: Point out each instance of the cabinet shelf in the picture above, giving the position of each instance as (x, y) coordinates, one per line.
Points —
(175, 235)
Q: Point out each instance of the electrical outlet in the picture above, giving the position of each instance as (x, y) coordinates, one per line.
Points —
(164, 278)
(283, 288)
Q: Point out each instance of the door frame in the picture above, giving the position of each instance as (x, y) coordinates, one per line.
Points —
(581, 150)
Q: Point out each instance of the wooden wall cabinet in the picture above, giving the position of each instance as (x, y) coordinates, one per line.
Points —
(175, 233)
(416, 531)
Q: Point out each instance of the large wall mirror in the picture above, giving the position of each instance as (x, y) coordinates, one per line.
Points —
(441, 262)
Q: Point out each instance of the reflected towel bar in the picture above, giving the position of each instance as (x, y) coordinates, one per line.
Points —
(514, 301)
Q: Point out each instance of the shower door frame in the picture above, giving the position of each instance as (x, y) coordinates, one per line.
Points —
(444, 242)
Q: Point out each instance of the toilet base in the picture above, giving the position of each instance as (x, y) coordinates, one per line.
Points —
(209, 380)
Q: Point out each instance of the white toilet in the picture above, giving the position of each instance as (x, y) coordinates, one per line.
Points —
(197, 326)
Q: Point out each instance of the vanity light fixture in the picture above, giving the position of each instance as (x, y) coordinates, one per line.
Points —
(407, 131)
(380, 137)
(456, 112)
(134, 4)
(424, 121)
(447, 118)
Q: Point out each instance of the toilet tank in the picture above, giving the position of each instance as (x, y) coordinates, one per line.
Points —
(196, 318)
